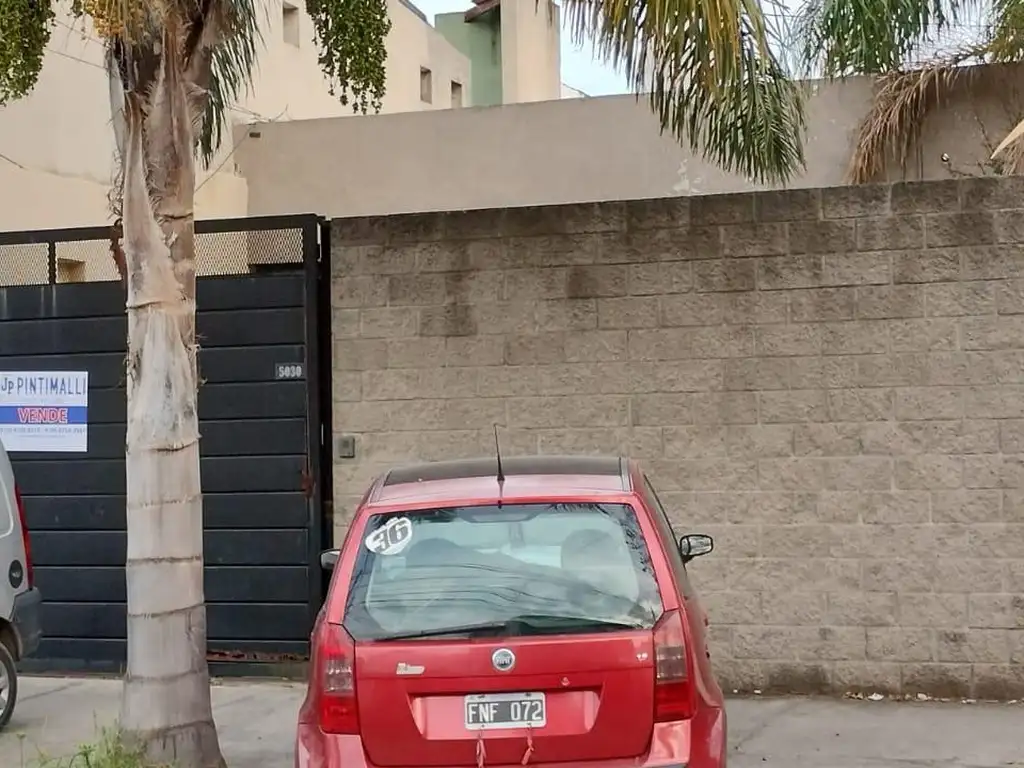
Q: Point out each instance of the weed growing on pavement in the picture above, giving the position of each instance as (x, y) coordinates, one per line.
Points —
(109, 751)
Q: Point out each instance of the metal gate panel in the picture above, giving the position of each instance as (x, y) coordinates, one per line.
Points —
(261, 448)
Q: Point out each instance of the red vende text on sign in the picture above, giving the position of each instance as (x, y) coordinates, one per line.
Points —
(43, 415)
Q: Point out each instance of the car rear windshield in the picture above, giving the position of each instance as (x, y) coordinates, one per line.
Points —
(518, 569)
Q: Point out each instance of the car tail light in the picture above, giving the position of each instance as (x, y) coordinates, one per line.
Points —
(334, 667)
(29, 574)
(673, 693)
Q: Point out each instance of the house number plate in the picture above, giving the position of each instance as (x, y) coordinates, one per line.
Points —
(290, 371)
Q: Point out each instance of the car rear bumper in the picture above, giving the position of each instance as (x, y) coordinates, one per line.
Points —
(27, 621)
(696, 743)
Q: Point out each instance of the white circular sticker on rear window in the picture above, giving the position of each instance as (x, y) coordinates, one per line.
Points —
(391, 538)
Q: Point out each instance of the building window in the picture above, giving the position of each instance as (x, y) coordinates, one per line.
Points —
(426, 86)
(456, 95)
(290, 23)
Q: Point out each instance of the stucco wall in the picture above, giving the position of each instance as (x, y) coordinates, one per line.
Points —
(580, 150)
(831, 382)
(530, 51)
(568, 150)
(413, 44)
(480, 42)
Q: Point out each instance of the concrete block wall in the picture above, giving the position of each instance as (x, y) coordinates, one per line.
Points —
(830, 382)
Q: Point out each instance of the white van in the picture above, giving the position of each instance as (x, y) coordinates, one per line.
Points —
(20, 628)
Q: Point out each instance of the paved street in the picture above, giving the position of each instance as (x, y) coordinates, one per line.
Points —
(256, 726)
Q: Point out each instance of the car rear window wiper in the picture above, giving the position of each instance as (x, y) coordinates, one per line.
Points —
(561, 623)
(520, 625)
(487, 627)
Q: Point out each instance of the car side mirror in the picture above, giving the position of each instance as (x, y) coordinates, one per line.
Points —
(329, 559)
(694, 545)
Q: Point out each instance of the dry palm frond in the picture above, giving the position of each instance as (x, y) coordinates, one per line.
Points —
(1010, 142)
(1012, 155)
(902, 100)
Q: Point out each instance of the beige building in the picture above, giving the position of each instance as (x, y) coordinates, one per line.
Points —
(295, 149)
(56, 146)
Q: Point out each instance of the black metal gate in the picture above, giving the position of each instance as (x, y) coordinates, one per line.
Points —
(264, 407)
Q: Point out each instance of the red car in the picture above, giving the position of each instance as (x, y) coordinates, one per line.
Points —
(523, 612)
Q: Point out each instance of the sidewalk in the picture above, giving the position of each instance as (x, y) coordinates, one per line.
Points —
(257, 719)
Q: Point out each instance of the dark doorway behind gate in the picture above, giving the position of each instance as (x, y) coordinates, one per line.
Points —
(264, 407)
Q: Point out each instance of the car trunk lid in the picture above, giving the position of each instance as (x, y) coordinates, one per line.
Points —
(445, 702)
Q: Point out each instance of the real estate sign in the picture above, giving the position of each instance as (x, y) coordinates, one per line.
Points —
(45, 411)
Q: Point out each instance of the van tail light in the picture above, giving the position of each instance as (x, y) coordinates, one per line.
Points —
(673, 691)
(30, 578)
(335, 670)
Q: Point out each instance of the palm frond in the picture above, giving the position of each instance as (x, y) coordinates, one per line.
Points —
(232, 65)
(1006, 30)
(711, 75)
(872, 37)
(1011, 149)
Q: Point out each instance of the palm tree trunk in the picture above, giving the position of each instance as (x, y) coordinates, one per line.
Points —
(165, 704)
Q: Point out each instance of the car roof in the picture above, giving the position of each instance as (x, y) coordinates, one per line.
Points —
(526, 476)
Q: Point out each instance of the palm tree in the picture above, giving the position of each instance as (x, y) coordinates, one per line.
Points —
(174, 66)
(923, 53)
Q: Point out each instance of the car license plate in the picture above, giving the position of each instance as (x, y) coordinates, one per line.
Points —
(505, 710)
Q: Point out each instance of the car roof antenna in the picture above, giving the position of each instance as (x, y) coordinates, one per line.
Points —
(501, 471)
